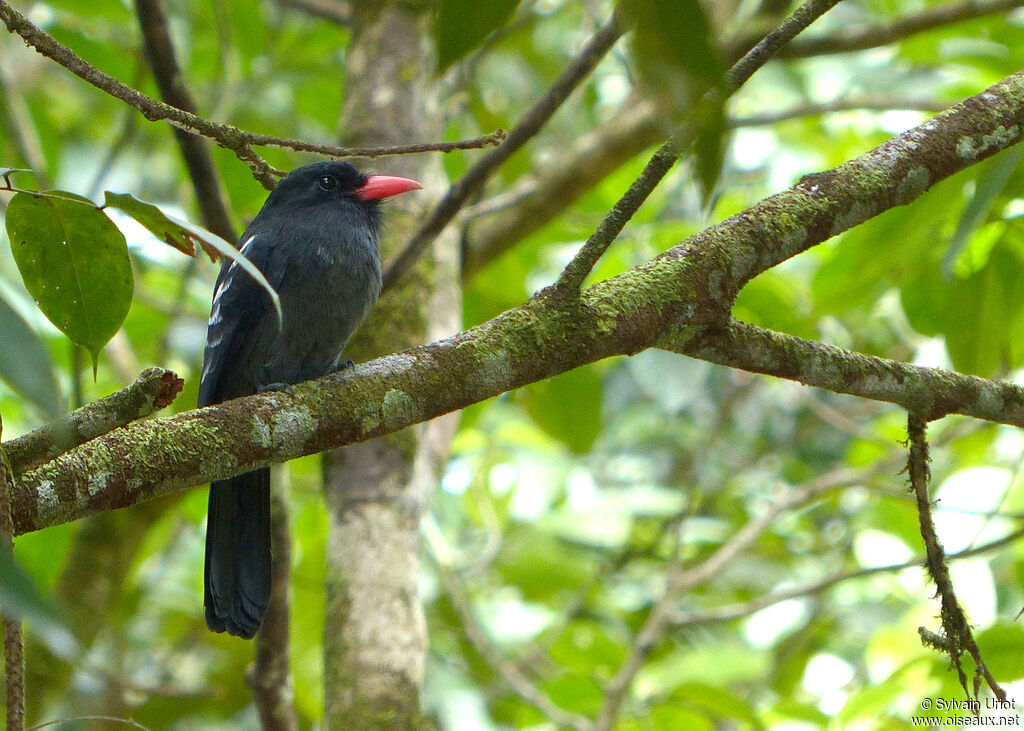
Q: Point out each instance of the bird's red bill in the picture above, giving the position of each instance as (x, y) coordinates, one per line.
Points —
(385, 186)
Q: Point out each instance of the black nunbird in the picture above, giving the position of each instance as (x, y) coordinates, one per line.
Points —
(315, 240)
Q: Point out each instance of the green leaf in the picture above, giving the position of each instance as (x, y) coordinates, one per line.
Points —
(20, 597)
(25, 364)
(460, 26)
(1002, 646)
(568, 407)
(184, 236)
(989, 187)
(715, 702)
(74, 262)
(157, 223)
(709, 146)
(674, 49)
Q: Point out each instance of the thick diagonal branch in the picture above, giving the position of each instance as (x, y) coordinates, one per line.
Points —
(686, 292)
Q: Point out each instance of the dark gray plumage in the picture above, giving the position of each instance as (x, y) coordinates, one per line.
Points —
(315, 240)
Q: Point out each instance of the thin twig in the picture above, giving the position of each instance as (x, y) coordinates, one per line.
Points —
(883, 103)
(744, 609)
(956, 630)
(510, 674)
(154, 389)
(206, 181)
(334, 10)
(494, 139)
(848, 39)
(574, 274)
(772, 44)
(524, 130)
(14, 646)
(680, 580)
(237, 140)
(108, 719)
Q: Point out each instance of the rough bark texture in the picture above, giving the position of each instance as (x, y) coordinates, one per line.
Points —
(375, 635)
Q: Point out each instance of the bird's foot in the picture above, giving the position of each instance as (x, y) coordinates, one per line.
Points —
(343, 365)
(277, 386)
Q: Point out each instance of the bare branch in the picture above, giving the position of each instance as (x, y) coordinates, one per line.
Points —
(512, 676)
(106, 719)
(858, 39)
(574, 274)
(744, 609)
(879, 103)
(337, 11)
(577, 270)
(154, 389)
(776, 41)
(525, 129)
(956, 634)
(494, 139)
(209, 190)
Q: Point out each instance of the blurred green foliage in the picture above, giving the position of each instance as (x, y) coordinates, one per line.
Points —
(565, 506)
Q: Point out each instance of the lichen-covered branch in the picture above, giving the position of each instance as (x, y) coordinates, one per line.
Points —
(931, 392)
(154, 389)
(688, 291)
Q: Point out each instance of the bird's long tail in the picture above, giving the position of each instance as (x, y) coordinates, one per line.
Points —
(238, 553)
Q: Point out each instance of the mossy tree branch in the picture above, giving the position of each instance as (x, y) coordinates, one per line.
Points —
(684, 294)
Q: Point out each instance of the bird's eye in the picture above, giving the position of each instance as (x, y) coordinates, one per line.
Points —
(327, 183)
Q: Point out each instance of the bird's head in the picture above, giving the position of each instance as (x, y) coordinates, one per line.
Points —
(336, 182)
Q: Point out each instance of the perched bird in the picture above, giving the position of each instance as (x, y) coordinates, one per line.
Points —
(315, 240)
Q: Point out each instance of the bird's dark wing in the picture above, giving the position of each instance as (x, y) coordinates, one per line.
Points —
(239, 314)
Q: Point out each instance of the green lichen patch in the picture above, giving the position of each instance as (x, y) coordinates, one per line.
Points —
(398, 408)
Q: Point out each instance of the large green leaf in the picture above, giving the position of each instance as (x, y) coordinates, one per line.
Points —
(460, 26)
(25, 365)
(568, 407)
(987, 192)
(74, 262)
(20, 597)
(1002, 646)
(977, 315)
(184, 237)
(156, 222)
(679, 61)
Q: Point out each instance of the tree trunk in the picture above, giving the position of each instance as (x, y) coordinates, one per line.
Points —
(375, 635)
